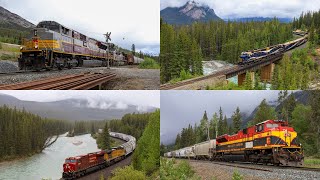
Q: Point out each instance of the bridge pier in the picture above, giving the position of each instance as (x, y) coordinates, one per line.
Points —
(266, 72)
(242, 78)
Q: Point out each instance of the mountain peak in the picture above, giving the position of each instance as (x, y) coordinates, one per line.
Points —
(190, 12)
(13, 20)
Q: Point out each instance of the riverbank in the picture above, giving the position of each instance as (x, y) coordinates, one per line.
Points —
(48, 163)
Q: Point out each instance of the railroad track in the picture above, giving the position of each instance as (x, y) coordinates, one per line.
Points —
(233, 165)
(81, 81)
(42, 71)
(191, 81)
(248, 165)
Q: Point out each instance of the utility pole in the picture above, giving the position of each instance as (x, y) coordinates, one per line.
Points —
(208, 130)
(107, 35)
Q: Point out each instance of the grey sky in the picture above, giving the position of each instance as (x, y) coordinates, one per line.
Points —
(131, 22)
(180, 108)
(252, 8)
(139, 98)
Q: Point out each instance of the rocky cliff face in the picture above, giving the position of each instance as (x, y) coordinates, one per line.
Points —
(188, 13)
(10, 19)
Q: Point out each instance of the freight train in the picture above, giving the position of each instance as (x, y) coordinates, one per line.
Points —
(254, 56)
(51, 45)
(81, 165)
(271, 141)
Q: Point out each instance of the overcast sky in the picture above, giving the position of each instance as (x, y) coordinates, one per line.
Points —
(252, 8)
(180, 108)
(131, 22)
(139, 98)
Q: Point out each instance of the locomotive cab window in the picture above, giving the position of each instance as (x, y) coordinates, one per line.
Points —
(259, 128)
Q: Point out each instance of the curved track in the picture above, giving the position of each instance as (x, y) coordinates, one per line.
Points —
(129, 143)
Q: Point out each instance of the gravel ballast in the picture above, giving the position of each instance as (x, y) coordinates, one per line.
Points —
(8, 66)
(208, 170)
(127, 78)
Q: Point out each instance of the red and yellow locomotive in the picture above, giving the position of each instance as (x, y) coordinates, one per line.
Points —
(271, 141)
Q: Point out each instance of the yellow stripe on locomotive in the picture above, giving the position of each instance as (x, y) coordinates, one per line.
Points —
(114, 153)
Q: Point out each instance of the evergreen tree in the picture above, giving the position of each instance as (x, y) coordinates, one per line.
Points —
(236, 120)
(220, 122)
(105, 138)
(146, 157)
(133, 49)
(264, 112)
(314, 102)
(248, 81)
(204, 127)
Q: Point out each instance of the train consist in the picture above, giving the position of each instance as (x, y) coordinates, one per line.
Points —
(78, 166)
(254, 56)
(271, 141)
(52, 45)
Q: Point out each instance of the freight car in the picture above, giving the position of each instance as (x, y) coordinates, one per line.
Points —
(52, 45)
(78, 166)
(271, 141)
(254, 56)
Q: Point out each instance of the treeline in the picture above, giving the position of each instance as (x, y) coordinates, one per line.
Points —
(310, 22)
(132, 124)
(23, 133)
(12, 34)
(208, 128)
(146, 159)
(215, 40)
(85, 127)
(304, 118)
(295, 72)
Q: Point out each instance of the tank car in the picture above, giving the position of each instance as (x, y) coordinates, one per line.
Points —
(202, 150)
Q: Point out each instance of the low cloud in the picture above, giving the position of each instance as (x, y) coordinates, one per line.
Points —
(253, 8)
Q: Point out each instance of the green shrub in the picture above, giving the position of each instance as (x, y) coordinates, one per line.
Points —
(184, 75)
(128, 173)
(0, 45)
(169, 170)
(7, 57)
(149, 63)
(237, 176)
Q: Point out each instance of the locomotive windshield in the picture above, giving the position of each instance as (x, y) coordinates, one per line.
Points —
(272, 125)
(71, 161)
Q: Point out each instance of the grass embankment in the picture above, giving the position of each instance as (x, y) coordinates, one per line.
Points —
(149, 63)
(9, 51)
(312, 162)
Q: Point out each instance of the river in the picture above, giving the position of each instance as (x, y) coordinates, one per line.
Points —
(48, 164)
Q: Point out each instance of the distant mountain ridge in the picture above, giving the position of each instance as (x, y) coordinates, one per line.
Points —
(12, 20)
(75, 109)
(188, 13)
(259, 19)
